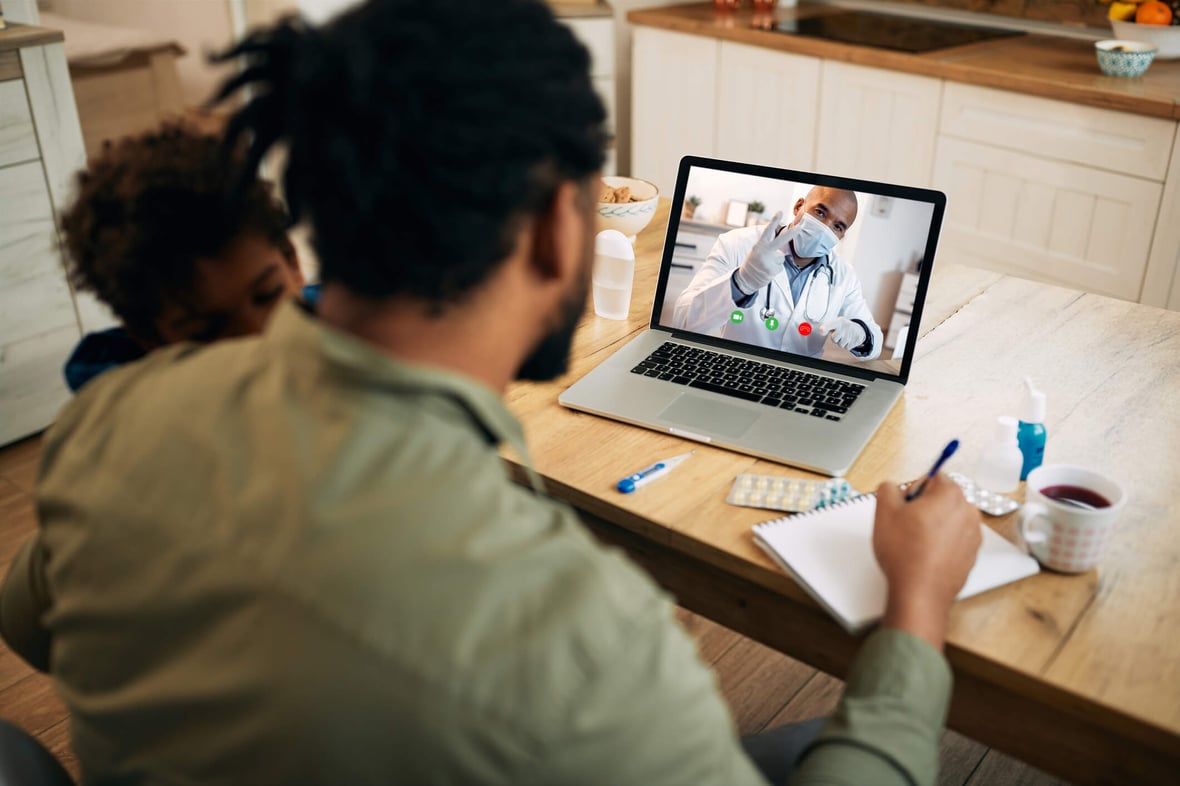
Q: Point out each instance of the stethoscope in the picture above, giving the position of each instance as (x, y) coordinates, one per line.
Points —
(768, 313)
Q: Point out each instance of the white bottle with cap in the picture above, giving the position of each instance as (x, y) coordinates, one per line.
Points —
(999, 465)
(614, 274)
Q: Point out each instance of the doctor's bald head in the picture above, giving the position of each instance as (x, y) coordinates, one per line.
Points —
(834, 207)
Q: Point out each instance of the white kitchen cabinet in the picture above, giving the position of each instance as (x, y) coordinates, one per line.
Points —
(1046, 189)
(1050, 190)
(40, 149)
(1046, 220)
(597, 33)
(1161, 283)
(876, 124)
(1120, 142)
(673, 102)
(765, 106)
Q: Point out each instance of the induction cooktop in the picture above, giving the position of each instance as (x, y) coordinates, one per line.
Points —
(886, 31)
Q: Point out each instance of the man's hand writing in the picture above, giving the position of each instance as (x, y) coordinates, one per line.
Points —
(926, 548)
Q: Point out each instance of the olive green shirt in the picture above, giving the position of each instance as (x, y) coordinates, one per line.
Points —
(293, 559)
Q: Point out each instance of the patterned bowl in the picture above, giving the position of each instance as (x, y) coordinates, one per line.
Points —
(1117, 57)
(628, 217)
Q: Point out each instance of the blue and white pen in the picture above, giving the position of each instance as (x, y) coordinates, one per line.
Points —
(648, 474)
(947, 452)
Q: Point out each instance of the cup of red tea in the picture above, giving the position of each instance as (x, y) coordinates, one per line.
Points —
(1069, 516)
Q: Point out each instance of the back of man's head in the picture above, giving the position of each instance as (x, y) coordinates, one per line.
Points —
(419, 133)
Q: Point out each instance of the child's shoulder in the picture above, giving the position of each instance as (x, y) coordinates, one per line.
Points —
(99, 352)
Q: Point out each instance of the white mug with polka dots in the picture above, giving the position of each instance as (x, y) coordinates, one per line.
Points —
(1069, 516)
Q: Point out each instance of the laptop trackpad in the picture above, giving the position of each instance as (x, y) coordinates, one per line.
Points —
(699, 413)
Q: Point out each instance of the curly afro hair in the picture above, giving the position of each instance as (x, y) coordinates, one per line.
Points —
(150, 206)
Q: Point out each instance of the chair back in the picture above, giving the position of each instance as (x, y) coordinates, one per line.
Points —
(25, 762)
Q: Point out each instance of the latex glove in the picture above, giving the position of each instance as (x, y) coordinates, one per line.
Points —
(765, 260)
(845, 332)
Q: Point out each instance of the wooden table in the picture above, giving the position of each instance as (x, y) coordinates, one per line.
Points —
(1079, 675)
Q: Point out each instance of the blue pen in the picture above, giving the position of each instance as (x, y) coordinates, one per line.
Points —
(947, 452)
(648, 474)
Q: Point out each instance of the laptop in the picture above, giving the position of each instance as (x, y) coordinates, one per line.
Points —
(803, 370)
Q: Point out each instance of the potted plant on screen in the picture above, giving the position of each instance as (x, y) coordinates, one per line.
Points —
(691, 204)
(754, 216)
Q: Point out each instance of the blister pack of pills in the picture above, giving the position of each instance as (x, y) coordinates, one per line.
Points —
(792, 495)
(988, 501)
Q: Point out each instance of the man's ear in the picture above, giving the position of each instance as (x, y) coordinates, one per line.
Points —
(559, 235)
(797, 208)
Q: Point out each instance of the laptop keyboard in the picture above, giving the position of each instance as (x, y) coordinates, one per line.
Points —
(774, 386)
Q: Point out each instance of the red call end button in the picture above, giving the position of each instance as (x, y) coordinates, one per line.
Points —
(805, 328)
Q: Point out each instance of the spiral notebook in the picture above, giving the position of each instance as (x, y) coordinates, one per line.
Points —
(829, 551)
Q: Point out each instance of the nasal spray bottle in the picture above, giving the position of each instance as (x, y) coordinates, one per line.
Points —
(1031, 433)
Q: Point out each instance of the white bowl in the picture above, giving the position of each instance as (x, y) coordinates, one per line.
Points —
(628, 217)
(1165, 37)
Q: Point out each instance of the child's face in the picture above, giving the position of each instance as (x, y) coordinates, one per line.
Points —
(232, 295)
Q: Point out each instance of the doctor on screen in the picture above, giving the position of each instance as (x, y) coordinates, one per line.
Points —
(785, 289)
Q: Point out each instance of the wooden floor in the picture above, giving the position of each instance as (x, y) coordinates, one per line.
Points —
(26, 697)
(763, 687)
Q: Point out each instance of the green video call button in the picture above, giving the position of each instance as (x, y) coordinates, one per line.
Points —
(736, 317)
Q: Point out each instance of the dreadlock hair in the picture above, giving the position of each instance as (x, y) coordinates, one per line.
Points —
(419, 134)
(149, 206)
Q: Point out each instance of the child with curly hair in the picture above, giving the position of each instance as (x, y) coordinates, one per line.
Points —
(154, 233)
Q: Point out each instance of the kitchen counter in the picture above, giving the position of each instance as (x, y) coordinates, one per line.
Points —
(15, 36)
(1040, 65)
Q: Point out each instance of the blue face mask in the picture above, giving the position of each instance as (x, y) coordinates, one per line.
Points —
(814, 239)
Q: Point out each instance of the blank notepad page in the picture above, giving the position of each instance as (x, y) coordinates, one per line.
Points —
(830, 553)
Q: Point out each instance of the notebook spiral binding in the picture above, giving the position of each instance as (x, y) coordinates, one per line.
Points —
(814, 511)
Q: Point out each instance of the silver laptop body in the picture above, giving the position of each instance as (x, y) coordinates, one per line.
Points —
(890, 257)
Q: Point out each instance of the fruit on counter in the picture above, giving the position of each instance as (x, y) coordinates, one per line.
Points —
(1144, 12)
(1123, 12)
(1153, 12)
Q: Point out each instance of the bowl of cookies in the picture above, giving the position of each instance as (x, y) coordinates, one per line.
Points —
(626, 204)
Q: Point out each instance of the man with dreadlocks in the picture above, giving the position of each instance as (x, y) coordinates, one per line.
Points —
(298, 558)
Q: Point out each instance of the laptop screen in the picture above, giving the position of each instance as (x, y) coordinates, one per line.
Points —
(837, 281)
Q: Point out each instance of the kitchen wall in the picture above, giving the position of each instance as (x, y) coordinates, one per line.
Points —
(891, 242)
(199, 27)
(717, 189)
(262, 11)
